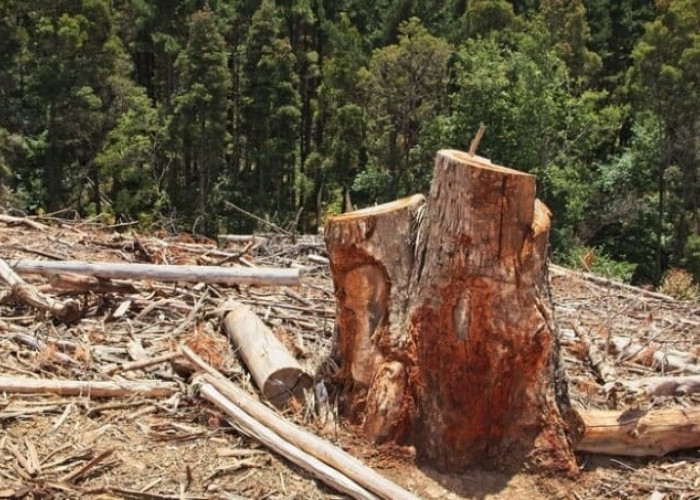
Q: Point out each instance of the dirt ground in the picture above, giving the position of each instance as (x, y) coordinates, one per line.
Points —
(183, 448)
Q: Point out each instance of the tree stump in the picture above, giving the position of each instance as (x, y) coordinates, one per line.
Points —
(444, 320)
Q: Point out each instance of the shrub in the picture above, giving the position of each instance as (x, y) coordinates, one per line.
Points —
(679, 284)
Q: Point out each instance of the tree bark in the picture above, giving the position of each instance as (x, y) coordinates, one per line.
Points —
(444, 319)
(193, 274)
(371, 259)
(638, 433)
(88, 388)
(276, 373)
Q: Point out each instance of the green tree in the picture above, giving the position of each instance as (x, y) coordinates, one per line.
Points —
(535, 120)
(567, 23)
(665, 79)
(270, 113)
(199, 125)
(405, 86)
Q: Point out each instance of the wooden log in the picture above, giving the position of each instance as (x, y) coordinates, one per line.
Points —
(194, 274)
(67, 311)
(89, 284)
(9, 219)
(638, 432)
(476, 374)
(88, 388)
(254, 429)
(667, 360)
(657, 386)
(371, 263)
(310, 443)
(275, 371)
(240, 238)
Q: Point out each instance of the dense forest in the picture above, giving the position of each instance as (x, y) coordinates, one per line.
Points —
(169, 111)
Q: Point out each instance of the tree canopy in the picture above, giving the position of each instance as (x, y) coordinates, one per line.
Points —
(296, 109)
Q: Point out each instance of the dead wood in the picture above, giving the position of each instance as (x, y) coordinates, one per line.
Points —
(89, 284)
(657, 386)
(638, 432)
(93, 389)
(9, 219)
(259, 432)
(194, 274)
(306, 441)
(143, 363)
(665, 360)
(605, 372)
(67, 311)
(608, 283)
(275, 371)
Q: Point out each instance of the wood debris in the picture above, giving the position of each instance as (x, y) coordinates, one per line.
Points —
(175, 444)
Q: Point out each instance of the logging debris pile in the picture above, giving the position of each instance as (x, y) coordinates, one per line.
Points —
(174, 444)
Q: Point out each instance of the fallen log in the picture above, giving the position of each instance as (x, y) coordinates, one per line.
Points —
(257, 276)
(637, 433)
(665, 360)
(254, 429)
(10, 219)
(463, 367)
(88, 388)
(67, 311)
(275, 371)
(657, 386)
(89, 284)
(310, 443)
(608, 283)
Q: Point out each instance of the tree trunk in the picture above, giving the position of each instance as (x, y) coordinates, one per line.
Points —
(371, 261)
(444, 319)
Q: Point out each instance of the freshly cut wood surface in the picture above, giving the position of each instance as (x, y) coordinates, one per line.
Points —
(208, 274)
(638, 432)
(93, 389)
(276, 373)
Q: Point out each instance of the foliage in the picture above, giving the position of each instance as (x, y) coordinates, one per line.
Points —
(140, 109)
(679, 284)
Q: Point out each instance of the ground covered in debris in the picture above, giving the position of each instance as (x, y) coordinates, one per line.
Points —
(181, 447)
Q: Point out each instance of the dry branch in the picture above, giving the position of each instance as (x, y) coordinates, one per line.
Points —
(596, 357)
(251, 427)
(193, 274)
(658, 386)
(93, 389)
(68, 311)
(638, 432)
(668, 360)
(306, 441)
(608, 283)
(9, 219)
(275, 371)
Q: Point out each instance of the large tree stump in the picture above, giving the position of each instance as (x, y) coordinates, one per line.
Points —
(449, 307)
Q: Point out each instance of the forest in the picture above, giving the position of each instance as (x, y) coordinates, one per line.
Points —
(172, 113)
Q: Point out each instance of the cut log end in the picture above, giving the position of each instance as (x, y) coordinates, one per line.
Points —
(286, 383)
